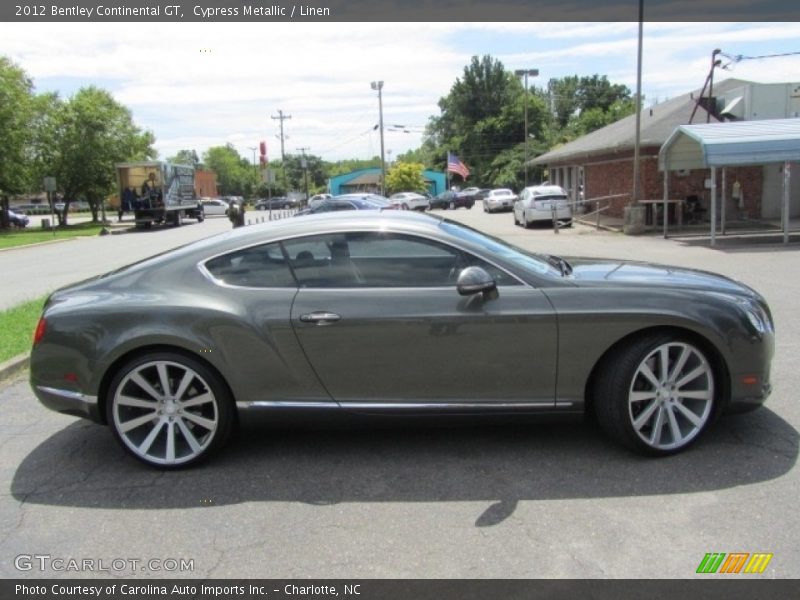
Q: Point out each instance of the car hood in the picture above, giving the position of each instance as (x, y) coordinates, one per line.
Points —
(590, 271)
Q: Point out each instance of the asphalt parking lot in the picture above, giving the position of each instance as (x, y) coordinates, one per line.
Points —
(549, 500)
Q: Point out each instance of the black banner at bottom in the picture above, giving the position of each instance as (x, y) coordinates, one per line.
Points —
(401, 589)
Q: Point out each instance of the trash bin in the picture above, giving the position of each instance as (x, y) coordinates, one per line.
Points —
(45, 223)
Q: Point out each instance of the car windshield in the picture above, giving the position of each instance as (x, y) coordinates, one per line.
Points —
(527, 260)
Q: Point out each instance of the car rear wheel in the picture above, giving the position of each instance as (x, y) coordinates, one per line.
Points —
(169, 410)
(656, 395)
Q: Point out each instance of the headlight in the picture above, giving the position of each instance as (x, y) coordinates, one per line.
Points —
(758, 318)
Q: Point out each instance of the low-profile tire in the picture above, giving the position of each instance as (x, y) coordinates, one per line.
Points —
(175, 429)
(656, 395)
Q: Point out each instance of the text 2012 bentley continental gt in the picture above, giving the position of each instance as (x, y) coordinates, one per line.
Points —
(392, 314)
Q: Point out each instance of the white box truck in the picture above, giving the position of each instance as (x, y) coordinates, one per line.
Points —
(158, 192)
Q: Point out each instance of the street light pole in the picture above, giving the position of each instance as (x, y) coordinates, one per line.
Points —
(525, 73)
(378, 85)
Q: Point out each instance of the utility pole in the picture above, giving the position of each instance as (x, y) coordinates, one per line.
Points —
(282, 117)
(304, 164)
(378, 85)
(255, 171)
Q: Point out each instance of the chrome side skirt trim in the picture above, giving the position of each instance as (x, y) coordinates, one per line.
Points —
(443, 405)
(400, 406)
(285, 404)
(68, 394)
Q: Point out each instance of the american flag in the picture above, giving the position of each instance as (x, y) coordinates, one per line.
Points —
(454, 165)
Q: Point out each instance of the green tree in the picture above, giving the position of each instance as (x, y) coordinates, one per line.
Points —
(16, 114)
(405, 177)
(186, 157)
(235, 175)
(296, 174)
(482, 121)
(91, 133)
(347, 166)
(572, 96)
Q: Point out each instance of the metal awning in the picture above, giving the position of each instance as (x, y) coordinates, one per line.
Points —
(713, 145)
(731, 144)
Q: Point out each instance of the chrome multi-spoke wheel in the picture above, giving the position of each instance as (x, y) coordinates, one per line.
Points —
(168, 411)
(671, 396)
(656, 394)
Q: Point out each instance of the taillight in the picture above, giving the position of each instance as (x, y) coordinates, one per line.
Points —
(40, 329)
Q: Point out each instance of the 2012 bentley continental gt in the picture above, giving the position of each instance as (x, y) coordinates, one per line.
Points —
(391, 314)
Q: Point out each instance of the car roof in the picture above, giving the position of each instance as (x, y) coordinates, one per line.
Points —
(546, 190)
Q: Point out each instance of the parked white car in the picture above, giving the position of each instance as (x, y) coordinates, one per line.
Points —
(536, 204)
(213, 206)
(409, 201)
(499, 199)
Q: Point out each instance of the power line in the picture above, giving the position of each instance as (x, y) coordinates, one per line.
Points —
(737, 58)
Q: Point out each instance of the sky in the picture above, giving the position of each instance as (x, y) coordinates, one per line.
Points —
(197, 85)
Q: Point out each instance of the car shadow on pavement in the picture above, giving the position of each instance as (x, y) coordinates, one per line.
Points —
(82, 466)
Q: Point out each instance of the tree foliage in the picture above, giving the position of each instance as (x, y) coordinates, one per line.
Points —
(482, 120)
(83, 140)
(186, 157)
(235, 175)
(16, 115)
(405, 177)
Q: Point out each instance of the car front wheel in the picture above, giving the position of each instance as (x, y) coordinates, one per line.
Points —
(169, 410)
(656, 395)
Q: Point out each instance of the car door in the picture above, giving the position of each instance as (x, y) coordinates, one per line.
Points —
(381, 322)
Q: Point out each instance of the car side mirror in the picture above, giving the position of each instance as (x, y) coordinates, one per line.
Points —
(473, 280)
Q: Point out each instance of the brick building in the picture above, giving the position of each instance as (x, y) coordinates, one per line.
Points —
(602, 161)
(205, 184)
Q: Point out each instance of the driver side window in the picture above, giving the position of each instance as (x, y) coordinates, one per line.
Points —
(372, 259)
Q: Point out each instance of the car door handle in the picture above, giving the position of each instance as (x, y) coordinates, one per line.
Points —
(320, 318)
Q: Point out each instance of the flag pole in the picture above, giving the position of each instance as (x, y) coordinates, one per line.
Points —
(447, 170)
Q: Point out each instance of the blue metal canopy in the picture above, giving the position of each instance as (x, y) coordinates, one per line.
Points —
(731, 144)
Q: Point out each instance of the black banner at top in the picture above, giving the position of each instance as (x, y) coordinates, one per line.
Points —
(317, 11)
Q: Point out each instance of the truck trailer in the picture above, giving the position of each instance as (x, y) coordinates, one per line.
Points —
(158, 192)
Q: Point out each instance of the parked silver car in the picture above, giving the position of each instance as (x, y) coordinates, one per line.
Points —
(366, 313)
(540, 203)
(499, 199)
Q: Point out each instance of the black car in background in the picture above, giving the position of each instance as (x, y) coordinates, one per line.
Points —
(277, 203)
(453, 200)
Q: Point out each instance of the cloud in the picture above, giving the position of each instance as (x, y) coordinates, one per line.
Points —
(202, 84)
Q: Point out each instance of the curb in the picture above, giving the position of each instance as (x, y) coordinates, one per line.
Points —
(9, 249)
(14, 365)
